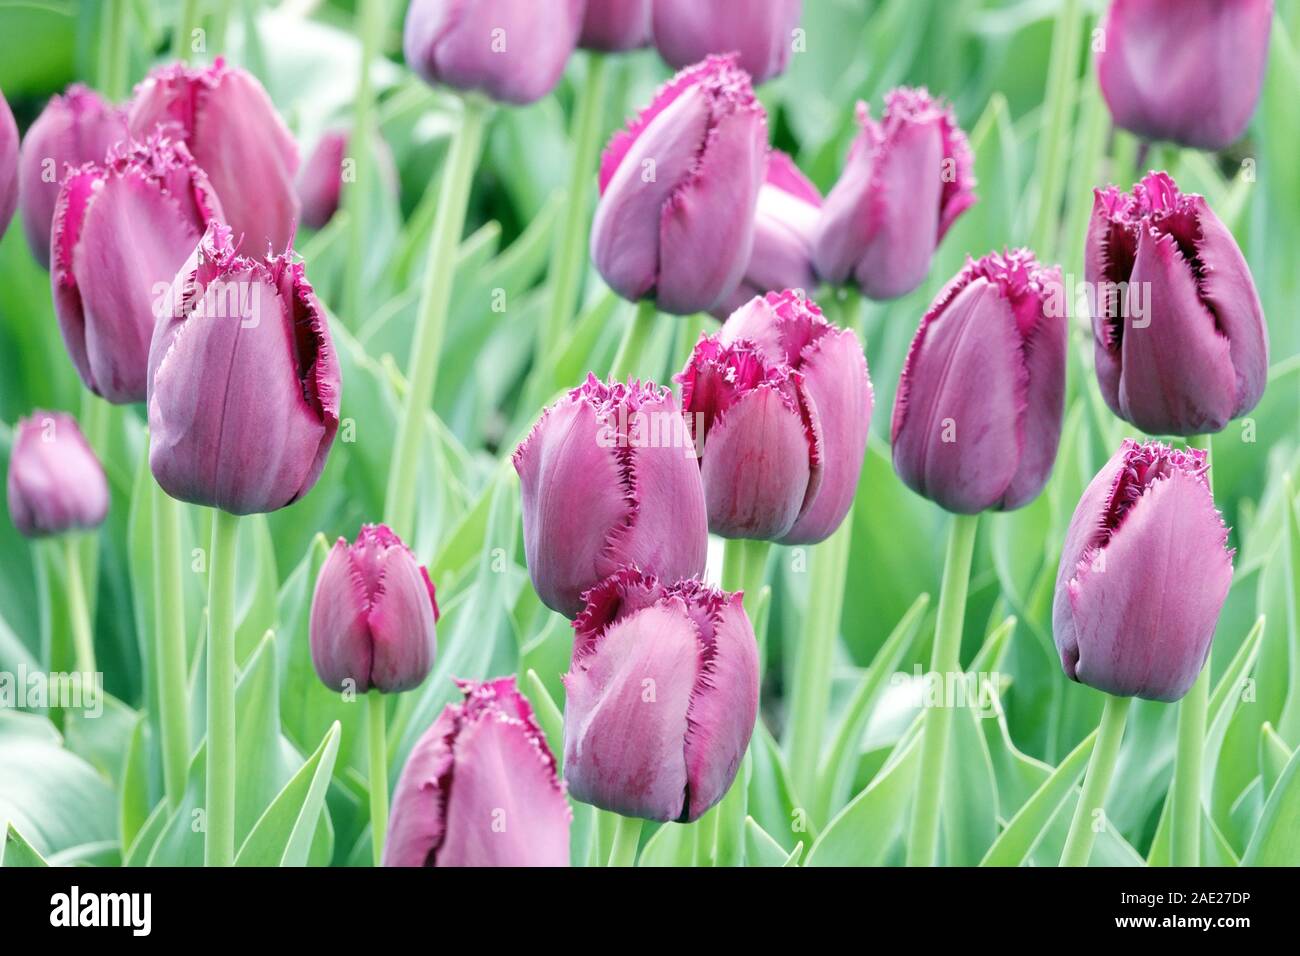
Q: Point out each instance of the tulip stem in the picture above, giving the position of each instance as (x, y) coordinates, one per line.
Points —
(635, 339)
(113, 69)
(945, 662)
(185, 26)
(1101, 767)
(431, 319)
(375, 722)
(1059, 103)
(83, 641)
(627, 835)
(219, 849)
(743, 565)
(371, 17)
(169, 640)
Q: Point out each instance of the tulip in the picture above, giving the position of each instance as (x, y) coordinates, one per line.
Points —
(661, 697)
(56, 483)
(75, 128)
(480, 788)
(243, 382)
(678, 191)
(121, 230)
(235, 134)
(1179, 338)
(761, 32)
(781, 400)
(8, 164)
(320, 182)
(977, 414)
(372, 615)
(1185, 70)
(512, 50)
(612, 26)
(608, 478)
(785, 221)
(1143, 575)
(905, 182)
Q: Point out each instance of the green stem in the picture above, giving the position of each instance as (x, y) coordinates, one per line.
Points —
(169, 638)
(1059, 102)
(114, 69)
(83, 640)
(627, 834)
(189, 20)
(635, 338)
(371, 17)
(945, 661)
(219, 849)
(431, 319)
(1101, 767)
(743, 565)
(375, 717)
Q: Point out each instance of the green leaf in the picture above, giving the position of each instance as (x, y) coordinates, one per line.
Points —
(283, 836)
(1276, 841)
(17, 852)
(1274, 755)
(761, 849)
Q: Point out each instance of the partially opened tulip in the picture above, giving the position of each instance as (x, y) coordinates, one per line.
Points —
(904, 183)
(1143, 575)
(233, 131)
(1189, 71)
(8, 165)
(609, 477)
(780, 400)
(56, 484)
(122, 227)
(1179, 338)
(977, 415)
(612, 26)
(760, 32)
(512, 50)
(480, 788)
(678, 191)
(661, 697)
(76, 128)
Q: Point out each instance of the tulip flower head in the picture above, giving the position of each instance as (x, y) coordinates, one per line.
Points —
(609, 477)
(372, 615)
(76, 128)
(780, 400)
(905, 182)
(56, 483)
(122, 227)
(1179, 337)
(512, 50)
(1189, 71)
(243, 382)
(761, 32)
(8, 164)
(612, 26)
(480, 788)
(1143, 575)
(662, 696)
(678, 191)
(320, 182)
(977, 415)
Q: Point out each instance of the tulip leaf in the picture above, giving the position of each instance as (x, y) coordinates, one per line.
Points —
(134, 800)
(772, 801)
(1274, 754)
(761, 849)
(673, 844)
(17, 852)
(283, 836)
(1276, 840)
(970, 796)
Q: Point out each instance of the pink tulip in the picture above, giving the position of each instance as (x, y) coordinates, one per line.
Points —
(613, 26)
(56, 483)
(760, 32)
(320, 183)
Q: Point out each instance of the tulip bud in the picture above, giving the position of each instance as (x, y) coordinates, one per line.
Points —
(56, 483)
(320, 182)
(480, 788)
(977, 414)
(780, 400)
(905, 182)
(1143, 575)
(8, 164)
(243, 382)
(784, 224)
(235, 134)
(75, 128)
(1179, 337)
(678, 191)
(1184, 70)
(121, 229)
(661, 697)
(612, 26)
(372, 615)
(512, 50)
(608, 478)
(760, 32)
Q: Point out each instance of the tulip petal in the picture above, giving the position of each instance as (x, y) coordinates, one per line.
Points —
(762, 35)
(417, 824)
(401, 624)
(341, 647)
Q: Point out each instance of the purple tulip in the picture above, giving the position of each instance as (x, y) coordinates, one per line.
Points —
(56, 483)
(609, 477)
(760, 32)
(905, 182)
(780, 400)
(121, 229)
(8, 164)
(662, 695)
(372, 615)
(612, 26)
(75, 128)
(243, 382)
(678, 191)
(977, 414)
(1143, 575)
(480, 788)
(235, 134)
(1185, 70)
(1179, 336)
(512, 50)
(320, 182)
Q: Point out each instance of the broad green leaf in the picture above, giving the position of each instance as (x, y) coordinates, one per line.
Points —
(760, 848)
(865, 831)
(283, 836)
(17, 852)
(1274, 755)
(1276, 841)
